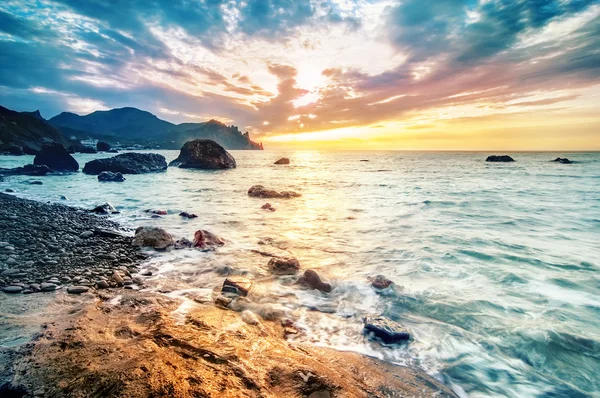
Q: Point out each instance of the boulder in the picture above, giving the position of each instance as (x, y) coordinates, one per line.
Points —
(311, 279)
(284, 265)
(379, 281)
(15, 150)
(183, 243)
(187, 215)
(502, 158)
(86, 149)
(56, 157)
(47, 287)
(268, 207)
(154, 237)
(283, 161)
(12, 289)
(204, 239)
(127, 163)
(105, 208)
(109, 176)
(103, 146)
(259, 191)
(385, 329)
(27, 170)
(237, 286)
(562, 160)
(203, 154)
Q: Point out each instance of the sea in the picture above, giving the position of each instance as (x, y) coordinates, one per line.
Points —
(496, 265)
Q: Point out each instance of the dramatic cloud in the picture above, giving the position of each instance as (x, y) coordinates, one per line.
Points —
(310, 70)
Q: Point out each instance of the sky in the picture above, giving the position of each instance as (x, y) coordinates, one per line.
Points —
(320, 74)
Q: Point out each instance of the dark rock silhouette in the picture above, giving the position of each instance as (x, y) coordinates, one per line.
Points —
(27, 170)
(203, 154)
(56, 157)
(259, 191)
(86, 149)
(501, 158)
(204, 239)
(562, 160)
(283, 161)
(128, 163)
(103, 146)
(109, 176)
(385, 329)
(311, 279)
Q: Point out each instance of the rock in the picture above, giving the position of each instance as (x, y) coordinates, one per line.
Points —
(12, 289)
(379, 281)
(284, 265)
(109, 176)
(187, 215)
(77, 289)
(112, 151)
(183, 243)
(204, 239)
(47, 287)
(311, 279)
(118, 279)
(105, 208)
(27, 170)
(250, 318)
(283, 161)
(36, 287)
(86, 234)
(496, 158)
(103, 146)
(30, 151)
(268, 207)
(154, 237)
(56, 157)
(87, 149)
(36, 182)
(127, 163)
(384, 328)
(63, 197)
(15, 150)
(237, 286)
(9, 190)
(102, 284)
(203, 154)
(562, 160)
(159, 212)
(259, 191)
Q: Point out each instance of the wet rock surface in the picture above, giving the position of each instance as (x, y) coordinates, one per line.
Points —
(204, 239)
(284, 265)
(379, 281)
(203, 154)
(499, 158)
(154, 237)
(313, 280)
(27, 170)
(109, 176)
(57, 158)
(259, 191)
(127, 163)
(385, 329)
(283, 161)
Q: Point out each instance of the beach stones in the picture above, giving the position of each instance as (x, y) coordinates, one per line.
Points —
(56, 157)
(385, 329)
(204, 239)
(237, 286)
(86, 234)
(109, 176)
(12, 289)
(47, 287)
(203, 154)
(154, 237)
(501, 158)
(311, 279)
(284, 265)
(282, 161)
(259, 191)
(77, 289)
(379, 281)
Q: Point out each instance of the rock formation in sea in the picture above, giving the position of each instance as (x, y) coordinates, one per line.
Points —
(203, 154)
(259, 191)
(562, 160)
(56, 157)
(109, 176)
(127, 163)
(103, 146)
(499, 158)
(283, 161)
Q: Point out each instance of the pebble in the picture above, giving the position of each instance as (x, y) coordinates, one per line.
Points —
(47, 287)
(77, 289)
(12, 289)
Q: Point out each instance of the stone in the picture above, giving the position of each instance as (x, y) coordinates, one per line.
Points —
(203, 154)
(204, 239)
(259, 191)
(502, 158)
(284, 265)
(159, 212)
(27, 170)
(118, 279)
(47, 287)
(249, 317)
(562, 160)
(105, 208)
(16, 150)
(311, 279)
(86, 234)
(127, 163)
(385, 329)
(86, 149)
(154, 237)
(56, 157)
(103, 146)
(77, 289)
(36, 182)
(63, 197)
(237, 286)
(12, 289)
(268, 207)
(109, 176)
(379, 281)
(187, 215)
(102, 284)
(9, 190)
(183, 243)
(283, 161)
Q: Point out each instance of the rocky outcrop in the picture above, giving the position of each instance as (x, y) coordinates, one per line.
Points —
(283, 161)
(284, 265)
(109, 176)
(27, 170)
(127, 163)
(154, 237)
(203, 154)
(311, 279)
(259, 191)
(385, 329)
(562, 160)
(501, 158)
(204, 240)
(103, 146)
(56, 157)
(237, 286)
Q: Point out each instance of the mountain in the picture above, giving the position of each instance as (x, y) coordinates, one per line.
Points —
(27, 130)
(130, 126)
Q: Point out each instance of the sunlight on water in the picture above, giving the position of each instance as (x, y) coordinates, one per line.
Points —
(496, 265)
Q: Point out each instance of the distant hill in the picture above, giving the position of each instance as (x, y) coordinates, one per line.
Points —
(130, 126)
(27, 130)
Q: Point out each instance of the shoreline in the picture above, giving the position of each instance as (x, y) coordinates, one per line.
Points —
(128, 343)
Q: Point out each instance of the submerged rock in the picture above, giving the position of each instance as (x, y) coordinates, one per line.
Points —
(105, 208)
(259, 191)
(502, 158)
(204, 239)
(237, 286)
(311, 279)
(128, 163)
(109, 176)
(385, 329)
(103, 146)
(379, 281)
(159, 212)
(562, 160)
(56, 157)
(268, 207)
(203, 154)
(284, 265)
(154, 237)
(183, 243)
(36, 182)
(283, 161)
(187, 215)
(77, 289)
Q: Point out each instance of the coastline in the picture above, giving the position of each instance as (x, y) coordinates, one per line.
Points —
(120, 342)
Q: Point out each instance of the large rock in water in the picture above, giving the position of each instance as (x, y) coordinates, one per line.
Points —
(259, 191)
(27, 170)
(496, 158)
(56, 157)
(154, 237)
(385, 329)
(109, 176)
(205, 239)
(128, 163)
(203, 154)
(103, 146)
(562, 160)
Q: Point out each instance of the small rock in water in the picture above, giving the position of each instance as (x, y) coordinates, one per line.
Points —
(109, 176)
(105, 208)
(384, 328)
(63, 197)
(379, 281)
(77, 289)
(183, 243)
(36, 182)
(187, 215)
(154, 237)
(237, 286)
(562, 160)
(283, 161)
(284, 265)
(502, 158)
(204, 239)
(158, 212)
(259, 191)
(311, 279)
(267, 206)
(9, 190)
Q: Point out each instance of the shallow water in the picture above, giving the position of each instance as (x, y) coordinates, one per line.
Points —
(496, 265)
